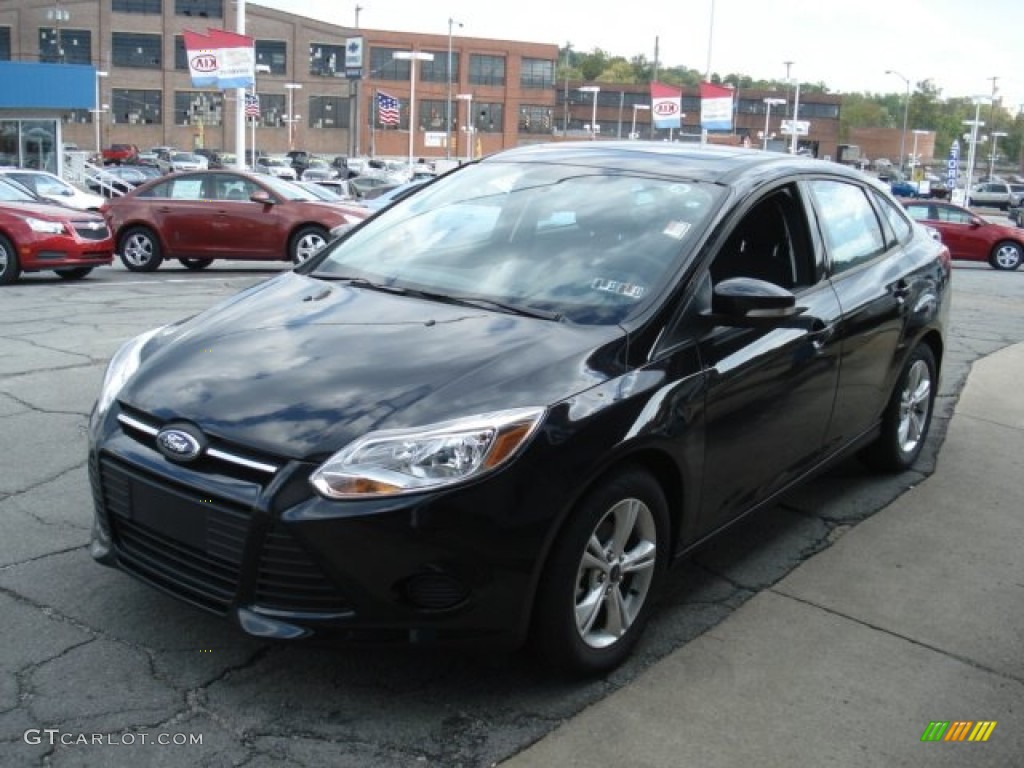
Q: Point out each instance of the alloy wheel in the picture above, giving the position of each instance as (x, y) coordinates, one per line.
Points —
(915, 405)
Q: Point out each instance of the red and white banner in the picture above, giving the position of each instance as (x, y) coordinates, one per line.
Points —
(715, 107)
(666, 105)
(220, 58)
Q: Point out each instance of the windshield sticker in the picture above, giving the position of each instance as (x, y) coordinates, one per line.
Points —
(632, 290)
(676, 229)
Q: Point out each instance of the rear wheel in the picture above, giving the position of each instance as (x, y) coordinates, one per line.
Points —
(73, 273)
(306, 242)
(140, 250)
(10, 269)
(908, 416)
(196, 264)
(1006, 255)
(602, 576)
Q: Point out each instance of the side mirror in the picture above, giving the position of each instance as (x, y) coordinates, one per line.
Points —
(747, 302)
(262, 197)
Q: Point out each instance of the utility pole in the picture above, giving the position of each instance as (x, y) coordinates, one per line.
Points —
(358, 9)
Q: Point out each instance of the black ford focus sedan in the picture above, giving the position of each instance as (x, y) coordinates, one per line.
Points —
(500, 409)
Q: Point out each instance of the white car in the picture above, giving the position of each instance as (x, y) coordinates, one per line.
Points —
(272, 165)
(45, 184)
(174, 162)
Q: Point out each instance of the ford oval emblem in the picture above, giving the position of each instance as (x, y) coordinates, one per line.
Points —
(204, 62)
(178, 445)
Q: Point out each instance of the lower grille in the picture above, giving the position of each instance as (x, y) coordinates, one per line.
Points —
(87, 231)
(166, 534)
(290, 581)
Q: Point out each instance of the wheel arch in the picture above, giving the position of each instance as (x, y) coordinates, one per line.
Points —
(134, 224)
(298, 228)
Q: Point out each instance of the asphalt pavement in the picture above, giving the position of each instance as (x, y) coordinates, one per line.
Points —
(894, 647)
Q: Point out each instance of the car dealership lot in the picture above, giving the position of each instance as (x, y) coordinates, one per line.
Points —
(90, 650)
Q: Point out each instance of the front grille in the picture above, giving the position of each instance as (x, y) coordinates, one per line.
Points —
(168, 535)
(290, 581)
(85, 231)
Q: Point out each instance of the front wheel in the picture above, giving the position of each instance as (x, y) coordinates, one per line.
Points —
(196, 264)
(10, 267)
(908, 415)
(140, 250)
(73, 273)
(602, 576)
(1006, 255)
(306, 243)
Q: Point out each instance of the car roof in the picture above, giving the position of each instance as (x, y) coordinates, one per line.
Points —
(701, 162)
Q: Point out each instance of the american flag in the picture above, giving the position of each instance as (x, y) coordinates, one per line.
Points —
(252, 105)
(387, 108)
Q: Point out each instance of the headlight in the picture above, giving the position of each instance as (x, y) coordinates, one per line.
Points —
(398, 461)
(47, 227)
(122, 365)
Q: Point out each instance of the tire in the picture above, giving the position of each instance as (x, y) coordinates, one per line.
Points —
(73, 273)
(593, 602)
(10, 268)
(1007, 255)
(305, 243)
(140, 249)
(196, 264)
(908, 415)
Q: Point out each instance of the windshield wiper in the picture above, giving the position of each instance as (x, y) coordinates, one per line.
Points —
(362, 282)
(478, 301)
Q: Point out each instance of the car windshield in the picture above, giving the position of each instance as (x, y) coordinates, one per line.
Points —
(289, 190)
(44, 185)
(275, 161)
(587, 245)
(319, 192)
(184, 157)
(9, 193)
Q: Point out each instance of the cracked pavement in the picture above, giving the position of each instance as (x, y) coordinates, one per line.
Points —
(89, 650)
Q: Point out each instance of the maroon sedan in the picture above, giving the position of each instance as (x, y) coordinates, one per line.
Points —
(968, 236)
(205, 215)
(37, 236)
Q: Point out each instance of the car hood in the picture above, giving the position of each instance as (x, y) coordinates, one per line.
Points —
(298, 367)
(52, 211)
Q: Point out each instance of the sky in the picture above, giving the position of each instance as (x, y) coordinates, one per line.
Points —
(960, 46)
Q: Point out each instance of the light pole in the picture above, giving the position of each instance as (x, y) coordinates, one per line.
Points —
(644, 107)
(412, 57)
(996, 135)
(96, 113)
(448, 108)
(913, 155)
(468, 98)
(796, 108)
(292, 87)
(594, 89)
(769, 102)
(906, 110)
(972, 153)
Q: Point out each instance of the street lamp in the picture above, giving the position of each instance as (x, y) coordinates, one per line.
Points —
(796, 108)
(98, 110)
(996, 135)
(645, 107)
(769, 103)
(906, 110)
(292, 87)
(468, 98)
(594, 89)
(448, 108)
(971, 155)
(412, 57)
(913, 155)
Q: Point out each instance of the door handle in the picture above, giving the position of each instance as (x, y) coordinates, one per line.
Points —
(900, 290)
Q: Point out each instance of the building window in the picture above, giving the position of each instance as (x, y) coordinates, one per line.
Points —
(273, 54)
(328, 112)
(5, 43)
(65, 46)
(537, 73)
(272, 110)
(78, 116)
(486, 70)
(488, 118)
(180, 54)
(136, 107)
(430, 114)
(326, 60)
(384, 67)
(198, 108)
(204, 9)
(136, 50)
(137, 6)
(535, 118)
(436, 71)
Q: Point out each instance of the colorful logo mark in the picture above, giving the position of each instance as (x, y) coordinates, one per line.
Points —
(958, 730)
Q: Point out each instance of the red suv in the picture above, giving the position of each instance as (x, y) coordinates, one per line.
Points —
(205, 215)
(116, 154)
(37, 236)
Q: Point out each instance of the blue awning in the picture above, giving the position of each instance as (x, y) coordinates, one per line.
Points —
(31, 85)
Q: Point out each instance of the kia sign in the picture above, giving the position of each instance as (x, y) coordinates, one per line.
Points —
(666, 109)
(204, 62)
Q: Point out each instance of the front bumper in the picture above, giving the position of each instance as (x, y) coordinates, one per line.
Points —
(261, 549)
(42, 251)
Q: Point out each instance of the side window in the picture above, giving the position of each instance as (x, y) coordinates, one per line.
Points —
(899, 229)
(848, 222)
(920, 212)
(157, 190)
(769, 243)
(187, 188)
(233, 188)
